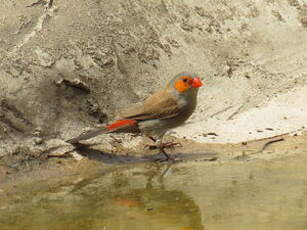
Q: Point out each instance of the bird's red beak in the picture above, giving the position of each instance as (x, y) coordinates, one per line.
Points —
(196, 82)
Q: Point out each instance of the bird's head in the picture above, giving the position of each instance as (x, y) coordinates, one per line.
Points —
(185, 83)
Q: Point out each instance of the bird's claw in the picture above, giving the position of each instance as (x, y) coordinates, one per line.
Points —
(166, 145)
(161, 147)
(171, 145)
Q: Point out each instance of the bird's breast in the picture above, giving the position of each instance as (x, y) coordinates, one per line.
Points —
(162, 125)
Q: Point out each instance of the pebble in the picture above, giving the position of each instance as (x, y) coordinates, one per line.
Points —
(38, 140)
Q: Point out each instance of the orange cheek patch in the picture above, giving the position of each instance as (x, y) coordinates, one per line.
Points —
(181, 86)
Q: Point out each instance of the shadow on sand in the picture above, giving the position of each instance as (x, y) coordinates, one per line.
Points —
(112, 158)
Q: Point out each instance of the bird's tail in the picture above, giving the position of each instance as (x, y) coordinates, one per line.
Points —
(117, 126)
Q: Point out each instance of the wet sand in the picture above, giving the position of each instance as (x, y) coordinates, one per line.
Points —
(249, 185)
(254, 185)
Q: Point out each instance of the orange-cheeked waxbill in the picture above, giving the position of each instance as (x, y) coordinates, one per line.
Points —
(162, 111)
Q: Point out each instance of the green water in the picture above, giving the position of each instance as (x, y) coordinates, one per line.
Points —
(185, 196)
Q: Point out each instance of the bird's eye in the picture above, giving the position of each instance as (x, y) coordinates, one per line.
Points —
(185, 80)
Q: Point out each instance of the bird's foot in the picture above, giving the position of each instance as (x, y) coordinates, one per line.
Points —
(170, 145)
(166, 145)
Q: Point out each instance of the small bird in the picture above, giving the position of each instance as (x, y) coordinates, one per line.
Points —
(164, 110)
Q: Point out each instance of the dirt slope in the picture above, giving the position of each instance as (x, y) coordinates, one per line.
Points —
(68, 65)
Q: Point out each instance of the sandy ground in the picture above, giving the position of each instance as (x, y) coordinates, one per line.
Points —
(68, 66)
(100, 158)
(61, 74)
(285, 113)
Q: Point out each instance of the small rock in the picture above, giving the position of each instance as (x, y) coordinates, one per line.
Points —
(38, 140)
(75, 83)
(186, 27)
(45, 59)
(210, 134)
(37, 132)
(57, 147)
(304, 21)
(270, 129)
(77, 156)
(247, 76)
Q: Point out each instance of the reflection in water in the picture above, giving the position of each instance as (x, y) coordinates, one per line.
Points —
(186, 196)
(122, 200)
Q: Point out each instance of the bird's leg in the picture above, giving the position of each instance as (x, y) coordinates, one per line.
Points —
(167, 157)
(151, 147)
(171, 144)
(153, 139)
(162, 145)
(159, 145)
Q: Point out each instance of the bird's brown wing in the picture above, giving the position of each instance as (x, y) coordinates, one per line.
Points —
(161, 105)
